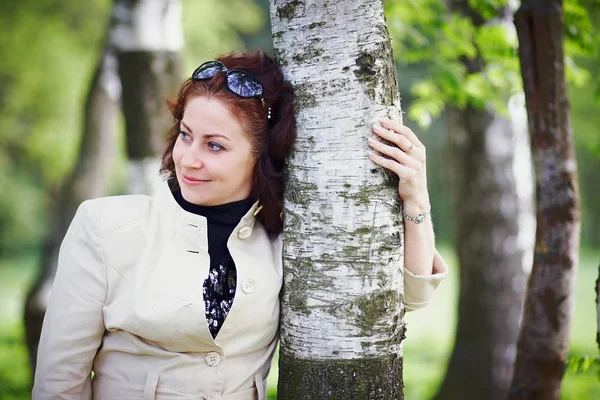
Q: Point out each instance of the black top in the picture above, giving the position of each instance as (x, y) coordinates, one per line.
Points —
(219, 287)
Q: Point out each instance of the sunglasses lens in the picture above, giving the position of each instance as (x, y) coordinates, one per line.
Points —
(208, 70)
(244, 85)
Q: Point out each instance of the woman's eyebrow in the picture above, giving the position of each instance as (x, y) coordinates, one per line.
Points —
(213, 135)
(209, 136)
(186, 126)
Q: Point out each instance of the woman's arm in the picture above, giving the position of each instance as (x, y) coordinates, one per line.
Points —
(73, 324)
(424, 268)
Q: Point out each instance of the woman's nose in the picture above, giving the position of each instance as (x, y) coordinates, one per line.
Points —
(192, 159)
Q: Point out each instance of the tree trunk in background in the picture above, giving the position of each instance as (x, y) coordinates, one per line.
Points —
(544, 337)
(147, 36)
(493, 201)
(141, 63)
(89, 179)
(493, 192)
(342, 308)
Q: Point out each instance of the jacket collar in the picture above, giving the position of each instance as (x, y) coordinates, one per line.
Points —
(185, 219)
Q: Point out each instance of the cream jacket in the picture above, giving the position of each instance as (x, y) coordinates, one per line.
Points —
(127, 303)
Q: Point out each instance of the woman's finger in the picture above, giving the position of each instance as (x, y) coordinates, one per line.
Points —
(404, 173)
(401, 141)
(402, 129)
(391, 136)
(393, 152)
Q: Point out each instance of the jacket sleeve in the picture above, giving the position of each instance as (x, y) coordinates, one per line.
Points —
(73, 325)
(418, 289)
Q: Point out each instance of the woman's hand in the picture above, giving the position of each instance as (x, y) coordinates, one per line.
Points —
(407, 160)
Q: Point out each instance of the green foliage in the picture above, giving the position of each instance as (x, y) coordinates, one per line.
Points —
(14, 365)
(213, 27)
(469, 64)
(16, 275)
(580, 34)
(488, 9)
(47, 47)
(583, 364)
(472, 57)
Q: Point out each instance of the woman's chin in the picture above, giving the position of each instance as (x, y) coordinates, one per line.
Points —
(199, 199)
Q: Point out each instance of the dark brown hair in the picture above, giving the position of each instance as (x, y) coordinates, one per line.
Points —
(271, 139)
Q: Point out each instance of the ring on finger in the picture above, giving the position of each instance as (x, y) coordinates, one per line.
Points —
(411, 147)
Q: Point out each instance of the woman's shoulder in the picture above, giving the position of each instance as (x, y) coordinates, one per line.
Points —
(112, 212)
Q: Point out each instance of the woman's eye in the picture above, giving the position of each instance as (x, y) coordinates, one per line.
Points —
(215, 146)
(184, 135)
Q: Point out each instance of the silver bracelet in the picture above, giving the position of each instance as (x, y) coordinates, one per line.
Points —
(419, 218)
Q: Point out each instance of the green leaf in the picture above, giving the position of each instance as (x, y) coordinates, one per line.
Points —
(575, 75)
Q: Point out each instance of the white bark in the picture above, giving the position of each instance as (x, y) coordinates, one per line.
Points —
(143, 176)
(343, 237)
(524, 182)
(146, 25)
(147, 36)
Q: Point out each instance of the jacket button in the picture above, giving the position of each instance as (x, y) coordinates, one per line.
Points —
(212, 359)
(244, 232)
(248, 286)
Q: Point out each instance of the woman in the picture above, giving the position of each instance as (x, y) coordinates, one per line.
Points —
(176, 296)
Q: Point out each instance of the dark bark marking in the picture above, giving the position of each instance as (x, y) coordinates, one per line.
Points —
(288, 11)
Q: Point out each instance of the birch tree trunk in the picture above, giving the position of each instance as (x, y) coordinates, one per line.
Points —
(492, 182)
(493, 190)
(342, 313)
(90, 178)
(543, 341)
(147, 36)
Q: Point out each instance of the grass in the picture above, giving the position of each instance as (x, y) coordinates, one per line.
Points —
(426, 349)
(430, 335)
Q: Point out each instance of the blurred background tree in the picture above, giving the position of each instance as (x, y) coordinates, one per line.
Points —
(47, 54)
(469, 51)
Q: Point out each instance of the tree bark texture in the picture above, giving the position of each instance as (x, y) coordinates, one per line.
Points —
(147, 36)
(544, 337)
(493, 192)
(342, 302)
(90, 178)
(492, 185)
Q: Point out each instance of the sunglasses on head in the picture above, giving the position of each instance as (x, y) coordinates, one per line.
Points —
(242, 83)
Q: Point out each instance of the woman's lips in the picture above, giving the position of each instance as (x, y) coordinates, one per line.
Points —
(188, 180)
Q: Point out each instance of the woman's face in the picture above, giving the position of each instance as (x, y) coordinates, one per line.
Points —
(212, 155)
